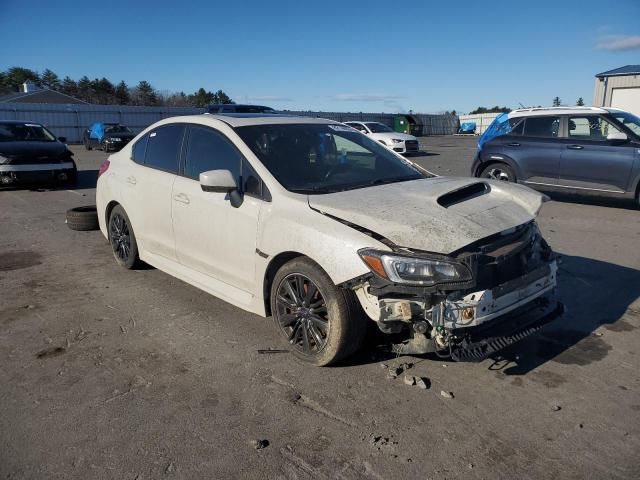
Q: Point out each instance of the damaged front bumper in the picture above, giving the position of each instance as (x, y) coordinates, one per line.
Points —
(468, 324)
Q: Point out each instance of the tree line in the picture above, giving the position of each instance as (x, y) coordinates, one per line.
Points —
(102, 91)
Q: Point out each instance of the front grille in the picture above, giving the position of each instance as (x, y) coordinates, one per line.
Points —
(411, 145)
(35, 159)
(511, 259)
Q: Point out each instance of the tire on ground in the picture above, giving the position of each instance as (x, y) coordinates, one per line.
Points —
(347, 322)
(83, 218)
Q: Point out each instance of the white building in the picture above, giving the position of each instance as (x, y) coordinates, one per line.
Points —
(619, 88)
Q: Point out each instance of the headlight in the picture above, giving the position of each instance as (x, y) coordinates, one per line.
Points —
(414, 270)
(3, 159)
(396, 140)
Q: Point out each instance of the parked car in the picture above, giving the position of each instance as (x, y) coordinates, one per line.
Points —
(236, 108)
(29, 153)
(325, 229)
(581, 149)
(109, 137)
(398, 142)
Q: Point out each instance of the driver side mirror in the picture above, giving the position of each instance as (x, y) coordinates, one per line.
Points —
(617, 138)
(63, 139)
(221, 181)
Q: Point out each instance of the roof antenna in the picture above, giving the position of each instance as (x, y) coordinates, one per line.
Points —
(519, 103)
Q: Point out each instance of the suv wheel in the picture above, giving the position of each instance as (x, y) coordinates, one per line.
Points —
(321, 322)
(499, 171)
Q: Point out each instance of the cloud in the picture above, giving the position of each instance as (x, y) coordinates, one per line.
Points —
(617, 43)
(269, 98)
(366, 97)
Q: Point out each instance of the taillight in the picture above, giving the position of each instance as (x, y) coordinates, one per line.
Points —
(104, 167)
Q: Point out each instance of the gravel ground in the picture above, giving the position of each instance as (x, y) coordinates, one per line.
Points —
(108, 373)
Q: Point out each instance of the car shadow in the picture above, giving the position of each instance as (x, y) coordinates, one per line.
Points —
(600, 201)
(595, 293)
(599, 297)
(421, 153)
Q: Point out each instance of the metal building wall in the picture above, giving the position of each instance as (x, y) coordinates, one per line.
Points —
(604, 88)
(432, 124)
(71, 120)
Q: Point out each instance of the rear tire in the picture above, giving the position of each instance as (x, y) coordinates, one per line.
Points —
(499, 171)
(82, 219)
(321, 322)
(122, 239)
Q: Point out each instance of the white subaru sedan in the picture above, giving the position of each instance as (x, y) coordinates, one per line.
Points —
(315, 224)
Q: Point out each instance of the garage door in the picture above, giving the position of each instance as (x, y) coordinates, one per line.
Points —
(626, 99)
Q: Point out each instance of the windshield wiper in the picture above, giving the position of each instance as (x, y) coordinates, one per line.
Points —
(312, 190)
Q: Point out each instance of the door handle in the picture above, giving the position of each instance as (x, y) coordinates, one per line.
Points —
(575, 147)
(513, 144)
(131, 180)
(182, 198)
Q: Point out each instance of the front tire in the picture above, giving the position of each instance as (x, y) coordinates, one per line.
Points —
(321, 322)
(123, 239)
(499, 171)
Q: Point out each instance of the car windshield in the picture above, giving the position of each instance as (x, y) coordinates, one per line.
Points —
(629, 120)
(325, 158)
(117, 129)
(376, 127)
(25, 132)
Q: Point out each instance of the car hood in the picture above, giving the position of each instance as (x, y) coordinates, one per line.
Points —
(387, 135)
(439, 215)
(32, 149)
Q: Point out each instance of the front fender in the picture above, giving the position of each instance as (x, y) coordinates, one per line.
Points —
(489, 156)
(295, 227)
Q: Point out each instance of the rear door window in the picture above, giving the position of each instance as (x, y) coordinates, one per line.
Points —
(542, 127)
(139, 149)
(163, 148)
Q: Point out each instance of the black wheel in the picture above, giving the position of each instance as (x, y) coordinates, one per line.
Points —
(499, 171)
(321, 322)
(104, 147)
(87, 144)
(122, 239)
(82, 218)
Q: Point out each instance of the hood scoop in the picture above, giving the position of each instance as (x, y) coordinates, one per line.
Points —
(463, 194)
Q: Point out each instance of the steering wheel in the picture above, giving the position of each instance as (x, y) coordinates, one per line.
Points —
(341, 167)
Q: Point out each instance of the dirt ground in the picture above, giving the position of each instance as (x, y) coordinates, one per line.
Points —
(117, 374)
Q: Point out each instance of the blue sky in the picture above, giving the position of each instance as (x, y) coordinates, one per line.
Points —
(333, 55)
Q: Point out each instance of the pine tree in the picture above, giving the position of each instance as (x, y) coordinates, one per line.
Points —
(580, 102)
(122, 95)
(50, 80)
(557, 102)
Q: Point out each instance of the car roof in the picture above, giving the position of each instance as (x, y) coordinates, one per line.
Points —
(528, 112)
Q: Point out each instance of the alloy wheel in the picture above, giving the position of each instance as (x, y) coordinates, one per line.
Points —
(498, 174)
(120, 237)
(302, 314)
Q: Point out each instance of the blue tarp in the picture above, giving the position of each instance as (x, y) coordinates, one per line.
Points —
(96, 131)
(500, 126)
(468, 127)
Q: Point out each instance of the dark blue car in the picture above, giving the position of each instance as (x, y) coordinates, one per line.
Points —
(581, 149)
(109, 137)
